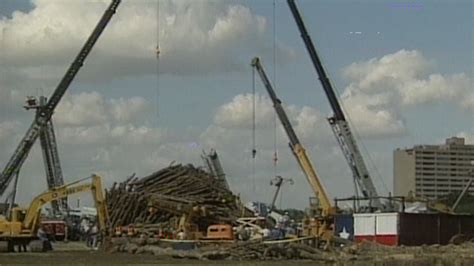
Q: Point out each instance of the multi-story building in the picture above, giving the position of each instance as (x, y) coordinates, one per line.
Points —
(433, 171)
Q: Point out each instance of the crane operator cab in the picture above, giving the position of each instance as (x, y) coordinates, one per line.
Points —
(18, 214)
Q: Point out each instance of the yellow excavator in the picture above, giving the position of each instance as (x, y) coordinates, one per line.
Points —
(21, 227)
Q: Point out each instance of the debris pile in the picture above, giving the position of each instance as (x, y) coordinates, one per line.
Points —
(243, 251)
(163, 197)
(365, 253)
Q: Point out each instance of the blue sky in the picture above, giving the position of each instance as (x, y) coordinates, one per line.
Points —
(189, 101)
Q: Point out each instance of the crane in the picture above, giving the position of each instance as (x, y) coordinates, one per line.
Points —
(278, 181)
(44, 114)
(49, 147)
(323, 211)
(298, 150)
(338, 122)
(214, 167)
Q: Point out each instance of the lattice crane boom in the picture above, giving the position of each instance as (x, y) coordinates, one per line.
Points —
(43, 117)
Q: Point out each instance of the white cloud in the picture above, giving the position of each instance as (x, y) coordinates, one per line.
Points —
(435, 87)
(91, 109)
(400, 66)
(125, 110)
(238, 113)
(380, 88)
(307, 122)
(194, 37)
(468, 102)
(86, 109)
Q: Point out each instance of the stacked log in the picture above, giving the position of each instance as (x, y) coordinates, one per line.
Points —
(174, 190)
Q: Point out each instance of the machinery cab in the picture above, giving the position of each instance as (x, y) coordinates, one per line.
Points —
(220, 232)
(14, 225)
(18, 214)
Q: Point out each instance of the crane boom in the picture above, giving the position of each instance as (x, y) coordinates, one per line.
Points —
(44, 115)
(295, 145)
(49, 147)
(339, 125)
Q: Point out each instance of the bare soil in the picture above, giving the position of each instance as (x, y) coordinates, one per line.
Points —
(78, 254)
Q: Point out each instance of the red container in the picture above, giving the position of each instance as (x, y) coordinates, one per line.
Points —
(379, 227)
(58, 229)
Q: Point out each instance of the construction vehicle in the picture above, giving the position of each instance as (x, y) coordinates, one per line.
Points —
(219, 232)
(185, 209)
(338, 122)
(278, 181)
(45, 112)
(22, 226)
(321, 221)
(49, 147)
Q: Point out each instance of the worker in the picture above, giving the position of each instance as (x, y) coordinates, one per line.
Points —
(84, 229)
(41, 234)
(266, 233)
(181, 235)
(94, 235)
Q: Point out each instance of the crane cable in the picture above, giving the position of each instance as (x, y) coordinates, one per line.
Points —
(158, 51)
(275, 118)
(5, 108)
(275, 122)
(254, 147)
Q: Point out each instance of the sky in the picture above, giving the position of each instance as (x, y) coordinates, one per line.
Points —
(402, 69)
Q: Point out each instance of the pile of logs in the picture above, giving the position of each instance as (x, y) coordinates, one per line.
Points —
(172, 191)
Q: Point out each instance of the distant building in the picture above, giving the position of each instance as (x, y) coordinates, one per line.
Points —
(432, 171)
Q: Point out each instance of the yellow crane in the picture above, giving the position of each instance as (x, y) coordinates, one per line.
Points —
(320, 223)
(22, 226)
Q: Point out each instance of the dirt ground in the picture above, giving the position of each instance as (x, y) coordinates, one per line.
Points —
(101, 258)
(78, 254)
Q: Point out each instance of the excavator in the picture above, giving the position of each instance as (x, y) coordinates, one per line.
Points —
(320, 222)
(22, 227)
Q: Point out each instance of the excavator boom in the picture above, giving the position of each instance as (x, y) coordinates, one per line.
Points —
(95, 186)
